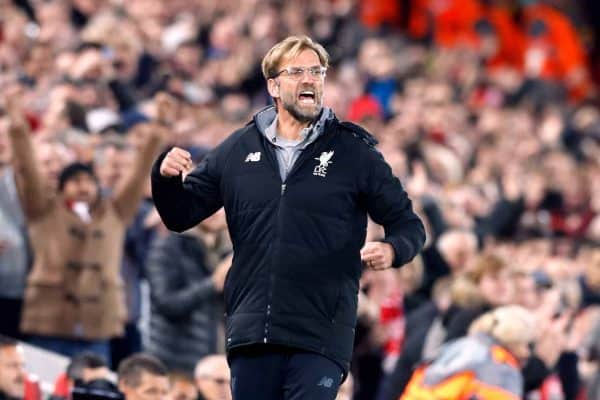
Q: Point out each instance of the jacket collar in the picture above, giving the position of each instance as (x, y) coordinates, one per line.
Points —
(265, 117)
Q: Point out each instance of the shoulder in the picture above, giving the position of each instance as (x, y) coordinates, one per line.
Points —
(357, 133)
(220, 154)
(237, 136)
(500, 375)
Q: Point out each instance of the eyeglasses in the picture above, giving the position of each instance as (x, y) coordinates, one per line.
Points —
(296, 73)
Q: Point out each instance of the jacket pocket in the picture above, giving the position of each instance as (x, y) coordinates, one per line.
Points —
(308, 299)
(103, 316)
(48, 310)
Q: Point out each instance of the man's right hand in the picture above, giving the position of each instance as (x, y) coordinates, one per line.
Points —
(177, 161)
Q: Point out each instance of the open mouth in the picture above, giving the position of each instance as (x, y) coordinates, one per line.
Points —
(307, 96)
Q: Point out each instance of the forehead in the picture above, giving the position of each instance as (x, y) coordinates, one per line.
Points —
(80, 176)
(11, 353)
(183, 386)
(306, 58)
(151, 380)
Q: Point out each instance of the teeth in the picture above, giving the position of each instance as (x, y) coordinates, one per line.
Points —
(308, 92)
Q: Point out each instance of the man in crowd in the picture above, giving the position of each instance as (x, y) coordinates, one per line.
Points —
(182, 387)
(212, 378)
(84, 368)
(143, 377)
(12, 369)
(74, 299)
(297, 185)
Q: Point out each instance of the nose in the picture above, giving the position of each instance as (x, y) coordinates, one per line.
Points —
(306, 77)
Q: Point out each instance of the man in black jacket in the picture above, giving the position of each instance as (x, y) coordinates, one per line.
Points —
(297, 186)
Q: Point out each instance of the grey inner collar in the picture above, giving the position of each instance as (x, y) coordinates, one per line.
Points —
(266, 119)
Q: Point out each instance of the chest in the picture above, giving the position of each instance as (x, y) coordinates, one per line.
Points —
(320, 178)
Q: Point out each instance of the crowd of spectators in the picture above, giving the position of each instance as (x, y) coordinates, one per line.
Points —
(487, 111)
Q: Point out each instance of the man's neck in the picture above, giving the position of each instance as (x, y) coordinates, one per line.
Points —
(289, 127)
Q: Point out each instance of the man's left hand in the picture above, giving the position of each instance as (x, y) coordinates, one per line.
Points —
(377, 255)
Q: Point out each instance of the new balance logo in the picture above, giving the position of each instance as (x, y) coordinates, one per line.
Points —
(253, 157)
(326, 382)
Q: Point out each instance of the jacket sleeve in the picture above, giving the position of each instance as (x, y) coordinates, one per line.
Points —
(30, 182)
(184, 204)
(534, 372)
(388, 205)
(123, 94)
(569, 374)
(173, 295)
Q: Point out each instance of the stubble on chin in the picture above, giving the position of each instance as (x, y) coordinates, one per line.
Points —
(300, 114)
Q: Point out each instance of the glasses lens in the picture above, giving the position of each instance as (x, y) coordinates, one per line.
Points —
(296, 73)
(316, 72)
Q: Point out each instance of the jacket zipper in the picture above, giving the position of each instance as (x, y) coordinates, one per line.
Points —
(275, 165)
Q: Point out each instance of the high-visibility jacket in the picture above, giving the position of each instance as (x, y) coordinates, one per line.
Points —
(554, 51)
(511, 39)
(470, 368)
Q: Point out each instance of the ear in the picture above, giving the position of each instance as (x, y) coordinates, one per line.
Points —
(122, 386)
(273, 88)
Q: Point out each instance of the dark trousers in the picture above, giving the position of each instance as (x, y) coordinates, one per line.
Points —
(123, 347)
(270, 373)
(10, 311)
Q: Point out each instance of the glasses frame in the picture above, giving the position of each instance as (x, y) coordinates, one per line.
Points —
(297, 73)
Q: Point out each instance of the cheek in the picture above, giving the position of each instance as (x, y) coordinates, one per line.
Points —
(287, 93)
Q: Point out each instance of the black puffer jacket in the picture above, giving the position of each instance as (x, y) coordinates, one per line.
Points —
(185, 308)
(296, 266)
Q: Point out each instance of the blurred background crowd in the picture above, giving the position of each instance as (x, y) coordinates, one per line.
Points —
(487, 110)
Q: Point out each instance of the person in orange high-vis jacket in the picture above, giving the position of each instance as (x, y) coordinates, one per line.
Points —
(454, 21)
(376, 13)
(485, 365)
(553, 49)
(510, 39)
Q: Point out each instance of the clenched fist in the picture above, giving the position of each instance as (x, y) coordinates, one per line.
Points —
(177, 161)
(377, 255)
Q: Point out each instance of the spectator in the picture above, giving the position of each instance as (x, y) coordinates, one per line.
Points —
(497, 344)
(143, 377)
(12, 370)
(74, 301)
(82, 369)
(495, 287)
(553, 49)
(182, 387)
(185, 298)
(212, 378)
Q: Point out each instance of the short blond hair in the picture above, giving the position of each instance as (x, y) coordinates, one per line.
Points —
(509, 325)
(291, 47)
